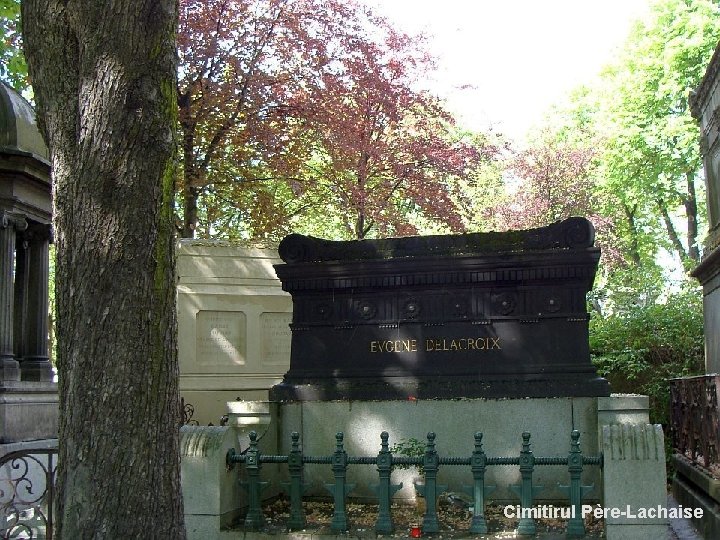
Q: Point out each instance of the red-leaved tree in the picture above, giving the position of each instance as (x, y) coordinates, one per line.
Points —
(557, 180)
(240, 60)
(291, 104)
(387, 149)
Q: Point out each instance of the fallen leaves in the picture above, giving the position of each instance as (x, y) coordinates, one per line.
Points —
(454, 521)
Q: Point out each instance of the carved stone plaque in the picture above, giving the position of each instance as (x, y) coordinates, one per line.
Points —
(221, 338)
(276, 338)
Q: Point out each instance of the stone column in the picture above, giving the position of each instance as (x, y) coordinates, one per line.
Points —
(35, 364)
(21, 284)
(9, 225)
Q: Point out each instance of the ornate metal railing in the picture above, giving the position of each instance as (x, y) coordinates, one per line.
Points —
(430, 461)
(695, 425)
(187, 410)
(27, 492)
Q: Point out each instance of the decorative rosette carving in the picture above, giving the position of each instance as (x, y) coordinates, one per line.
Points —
(411, 308)
(504, 303)
(366, 309)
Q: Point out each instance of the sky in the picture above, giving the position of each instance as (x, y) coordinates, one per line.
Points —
(515, 58)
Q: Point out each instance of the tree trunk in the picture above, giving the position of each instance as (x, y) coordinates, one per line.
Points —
(190, 191)
(634, 240)
(360, 226)
(190, 213)
(104, 80)
(672, 233)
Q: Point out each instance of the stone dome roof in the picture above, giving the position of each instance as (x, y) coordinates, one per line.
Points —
(19, 133)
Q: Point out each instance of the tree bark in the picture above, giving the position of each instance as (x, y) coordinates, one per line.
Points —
(360, 226)
(104, 80)
(189, 186)
(190, 213)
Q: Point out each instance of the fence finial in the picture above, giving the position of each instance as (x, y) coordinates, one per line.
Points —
(384, 436)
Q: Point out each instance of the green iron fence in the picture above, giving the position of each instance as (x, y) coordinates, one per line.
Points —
(430, 462)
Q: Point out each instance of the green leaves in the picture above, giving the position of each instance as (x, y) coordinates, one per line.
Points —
(640, 347)
(651, 141)
(13, 68)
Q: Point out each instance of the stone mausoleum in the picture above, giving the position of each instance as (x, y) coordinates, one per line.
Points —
(694, 400)
(28, 395)
(705, 105)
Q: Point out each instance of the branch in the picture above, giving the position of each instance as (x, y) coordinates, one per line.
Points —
(672, 233)
(230, 122)
(368, 228)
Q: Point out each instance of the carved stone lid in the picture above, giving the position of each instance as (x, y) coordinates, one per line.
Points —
(571, 234)
(19, 133)
(699, 98)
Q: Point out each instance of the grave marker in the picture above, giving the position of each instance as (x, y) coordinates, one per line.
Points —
(474, 315)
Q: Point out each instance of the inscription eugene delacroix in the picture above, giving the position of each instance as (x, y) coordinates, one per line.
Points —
(473, 315)
(435, 345)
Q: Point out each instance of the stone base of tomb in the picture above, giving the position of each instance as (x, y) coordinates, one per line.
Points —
(408, 388)
(455, 422)
(28, 411)
(616, 427)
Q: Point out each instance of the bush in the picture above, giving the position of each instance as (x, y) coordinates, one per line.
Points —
(641, 347)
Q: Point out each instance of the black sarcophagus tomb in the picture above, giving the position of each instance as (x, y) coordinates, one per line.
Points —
(474, 315)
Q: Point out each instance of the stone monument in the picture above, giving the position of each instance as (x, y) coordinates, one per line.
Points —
(446, 334)
(233, 325)
(694, 400)
(705, 106)
(28, 397)
(490, 315)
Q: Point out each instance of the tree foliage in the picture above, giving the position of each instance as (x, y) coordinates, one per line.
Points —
(651, 160)
(13, 68)
(289, 107)
(240, 61)
(625, 153)
(385, 149)
(557, 175)
(643, 346)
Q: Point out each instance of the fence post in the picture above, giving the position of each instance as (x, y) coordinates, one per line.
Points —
(431, 464)
(576, 491)
(296, 486)
(384, 488)
(339, 489)
(479, 490)
(526, 490)
(254, 519)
